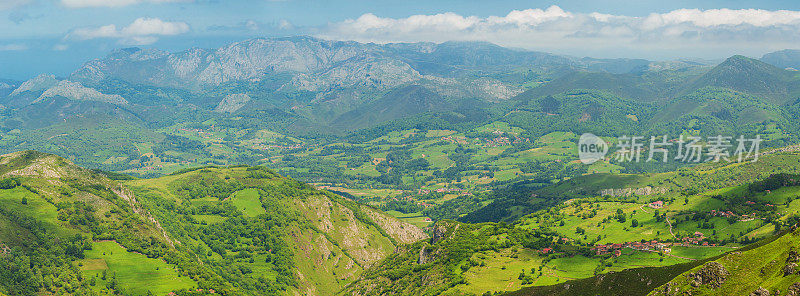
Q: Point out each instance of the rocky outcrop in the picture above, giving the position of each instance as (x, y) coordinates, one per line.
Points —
(232, 103)
(790, 269)
(793, 257)
(38, 83)
(402, 232)
(712, 275)
(442, 230)
(425, 255)
(794, 290)
(760, 292)
(77, 92)
(625, 192)
(668, 289)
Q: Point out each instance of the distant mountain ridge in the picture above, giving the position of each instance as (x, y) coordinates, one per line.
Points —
(787, 58)
(316, 63)
(751, 76)
(304, 86)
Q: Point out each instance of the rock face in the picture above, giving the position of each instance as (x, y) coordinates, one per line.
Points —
(425, 255)
(45, 86)
(760, 292)
(789, 269)
(232, 103)
(77, 92)
(402, 232)
(794, 290)
(38, 83)
(712, 274)
(625, 192)
(442, 229)
(793, 257)
(311, 64)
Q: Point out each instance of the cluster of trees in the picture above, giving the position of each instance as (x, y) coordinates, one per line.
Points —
(9, 183)
(774, 182)
(44, 264)
(404, 206)
(231, 248)
(460, 251)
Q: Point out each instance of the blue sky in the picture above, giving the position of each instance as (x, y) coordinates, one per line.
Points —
(55, 36)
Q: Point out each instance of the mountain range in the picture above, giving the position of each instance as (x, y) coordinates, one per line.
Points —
(303, 166)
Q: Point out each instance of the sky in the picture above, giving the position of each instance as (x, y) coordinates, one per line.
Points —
(56, 36)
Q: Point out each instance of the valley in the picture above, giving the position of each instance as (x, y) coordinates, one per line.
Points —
(306, 166)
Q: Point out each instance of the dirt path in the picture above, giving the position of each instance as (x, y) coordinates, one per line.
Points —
(670, 228)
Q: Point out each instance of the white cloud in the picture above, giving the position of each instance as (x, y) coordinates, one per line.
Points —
(141, 32)
(721, 17)
(691, 31)
(285, 25)
(111, 3)
(9, 4)
(13, 47)
(154, 26)
(107, 31)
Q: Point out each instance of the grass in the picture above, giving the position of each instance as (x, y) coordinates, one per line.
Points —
(416, 219)
(248, 201)
(750, 268)
(134, 272)
(634, 258)
(36, 207)
(501, 271)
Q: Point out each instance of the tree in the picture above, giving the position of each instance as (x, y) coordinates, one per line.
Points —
(621, 216)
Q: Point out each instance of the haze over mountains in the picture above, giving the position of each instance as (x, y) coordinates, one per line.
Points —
(305, 73)
(454, 167)
(307, 86)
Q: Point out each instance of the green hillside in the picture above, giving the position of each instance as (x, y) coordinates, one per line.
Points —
(274, 228)
(769, 269)
(751, 76)
(706, 211)
(237, 231)
(54, 213)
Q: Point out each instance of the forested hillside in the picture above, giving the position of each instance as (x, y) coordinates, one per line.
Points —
(235, 231)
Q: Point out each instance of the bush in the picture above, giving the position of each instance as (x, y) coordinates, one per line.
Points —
(8, 183)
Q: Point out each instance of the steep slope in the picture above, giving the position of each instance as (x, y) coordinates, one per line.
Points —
(753, 77)
(458, 58)
(770, 269)
(578, 111)
(787, 58)
(248, 60)
(399, 103)
(252, 220)
(238, 231)
(7, 86)
(645, 85)
(293, 65)
(628, 86)
(44, 87)
(53, 213)
(714, 110)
